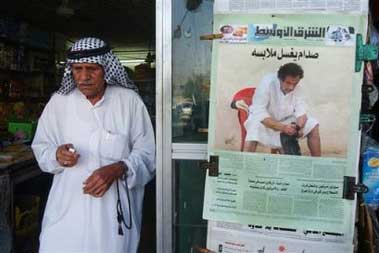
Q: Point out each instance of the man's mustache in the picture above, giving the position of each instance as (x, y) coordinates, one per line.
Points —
(85, 83)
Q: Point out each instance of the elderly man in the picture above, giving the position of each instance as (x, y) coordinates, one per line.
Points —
(94, 133)
(278, 110)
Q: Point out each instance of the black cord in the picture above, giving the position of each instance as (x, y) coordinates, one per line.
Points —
(120, 213)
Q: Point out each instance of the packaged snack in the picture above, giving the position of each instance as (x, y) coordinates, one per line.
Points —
(370, 176)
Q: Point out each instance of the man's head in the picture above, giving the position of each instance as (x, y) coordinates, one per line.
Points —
(89, 79)
(289, 76)
(90, 65)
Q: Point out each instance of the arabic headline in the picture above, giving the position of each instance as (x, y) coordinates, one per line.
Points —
(279, 54)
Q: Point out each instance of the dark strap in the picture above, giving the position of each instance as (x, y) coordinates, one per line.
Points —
(72, 55)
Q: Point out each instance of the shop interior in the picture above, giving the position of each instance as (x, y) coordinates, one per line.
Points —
(34, 37)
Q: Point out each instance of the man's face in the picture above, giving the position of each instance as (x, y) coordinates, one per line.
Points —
(89, 78)
(289, 83)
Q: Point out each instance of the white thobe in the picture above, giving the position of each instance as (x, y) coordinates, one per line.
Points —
(116, 128)
(270, 102)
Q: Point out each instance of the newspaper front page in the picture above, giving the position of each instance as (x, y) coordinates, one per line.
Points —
(298, 192)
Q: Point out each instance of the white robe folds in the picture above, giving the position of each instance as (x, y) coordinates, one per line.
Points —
(116, 128)
(270, 101)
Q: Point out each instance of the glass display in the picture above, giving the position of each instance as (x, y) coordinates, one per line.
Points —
(189, 227)
(191, 59)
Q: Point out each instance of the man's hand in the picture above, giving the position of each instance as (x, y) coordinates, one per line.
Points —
(101, 179)
(66, 155)
(289, 129)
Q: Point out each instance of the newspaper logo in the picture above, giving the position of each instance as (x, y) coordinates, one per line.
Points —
(274, 31)
(332, 35)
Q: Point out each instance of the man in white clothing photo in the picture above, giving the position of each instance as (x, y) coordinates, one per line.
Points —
(278, 113)
(96, 137)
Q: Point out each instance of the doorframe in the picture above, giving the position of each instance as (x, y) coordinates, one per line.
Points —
(164, 203)
(166, 151)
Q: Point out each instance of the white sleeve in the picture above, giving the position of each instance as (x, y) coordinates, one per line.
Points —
(261, 98)
(44, 143)
(300, 105)
(141, 160)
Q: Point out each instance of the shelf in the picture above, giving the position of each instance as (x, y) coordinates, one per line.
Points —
(25, 45)
(144, 80)
(34, 72)
(24, 99)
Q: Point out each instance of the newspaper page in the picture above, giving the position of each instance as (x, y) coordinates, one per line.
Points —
(231, 238)
(272, 6)
(267, 187)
